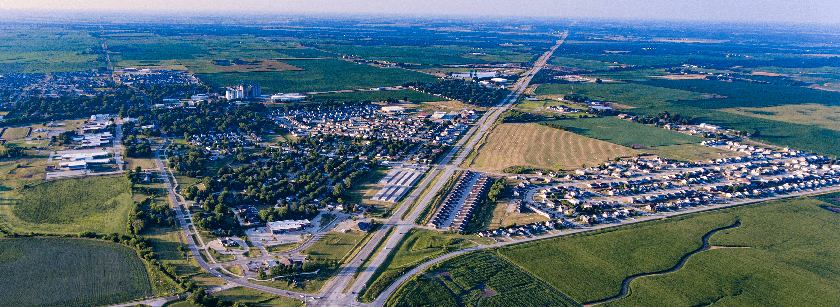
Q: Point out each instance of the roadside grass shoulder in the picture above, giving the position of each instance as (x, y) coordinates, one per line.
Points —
(418, 246)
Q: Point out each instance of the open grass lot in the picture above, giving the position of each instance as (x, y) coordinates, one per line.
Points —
(747, 94)
(69, 272)
(367, 187)
(320, 75)
(827, 117)
(542, 147)
(248, 296)
(15, 133)
(334, 245)
(477, 279)
(432, 54)
(409, 95)
(624, 132)
(690, 152)
(418, 246)
(15, 173)
(69, 206)
(501, 217)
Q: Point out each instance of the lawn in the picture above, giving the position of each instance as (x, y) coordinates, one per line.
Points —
(70, 206)
(69, 272)
(418, 246)
(320, 75)
(409, 95)
(626, 133)
(476, 279)
(542, 147)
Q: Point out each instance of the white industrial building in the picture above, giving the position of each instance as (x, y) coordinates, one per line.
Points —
(287, 226)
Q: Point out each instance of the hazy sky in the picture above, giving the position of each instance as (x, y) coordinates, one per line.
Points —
(819, 11)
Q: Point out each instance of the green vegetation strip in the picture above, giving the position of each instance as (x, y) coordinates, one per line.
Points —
(418, 246)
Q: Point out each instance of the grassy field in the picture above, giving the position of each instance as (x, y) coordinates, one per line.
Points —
(804, 114)
(248, 296)
(69, 272)
(362, 191)
(334, 245)
(46, 49)
(542, 147)
(501, 217)
(477, 279)
(632, 94)
(580, 64)
(786, 256)
(690, 152)
(319, 75)
(431, 54)
(15, 133)
(410, 95)
(418, 246)
(626, 133)
(70, 206)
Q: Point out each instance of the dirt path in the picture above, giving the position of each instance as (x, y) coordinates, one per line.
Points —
(625, 286)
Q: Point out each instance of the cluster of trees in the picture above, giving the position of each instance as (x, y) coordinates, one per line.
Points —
(136, 148)
(516, 116)
(287, 212)
(350, 146)
(198, 297)
(306, 267)
(223, 223)
(148, 213)
(465, 91)
(496, 190)
(193, 163)
(214, 117)
(9, 150)
(667, 118)
(273, 175)
(65, 137)
(40, 109)
(136, 175)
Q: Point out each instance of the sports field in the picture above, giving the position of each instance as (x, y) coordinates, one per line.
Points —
(69, 206)
(534, 145)
(69, 272)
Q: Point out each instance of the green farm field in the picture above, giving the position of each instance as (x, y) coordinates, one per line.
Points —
(783, 253)
(418, 246)
(482, 278)
(47, 49)
(69, 272)
(69, 206)
(432, 54)
(632, 94)
(320, 75)
(626, 133)
(411, 95)
(534, 145)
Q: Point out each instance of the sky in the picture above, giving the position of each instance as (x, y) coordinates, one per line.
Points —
(806, 11)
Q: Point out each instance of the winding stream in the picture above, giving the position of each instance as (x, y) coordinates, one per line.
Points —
(625, 285)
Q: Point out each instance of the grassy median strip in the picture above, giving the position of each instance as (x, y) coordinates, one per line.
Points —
(369, 258)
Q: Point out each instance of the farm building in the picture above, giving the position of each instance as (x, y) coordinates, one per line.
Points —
(287, 225)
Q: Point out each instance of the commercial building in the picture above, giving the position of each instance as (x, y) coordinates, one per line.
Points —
(287, 226)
